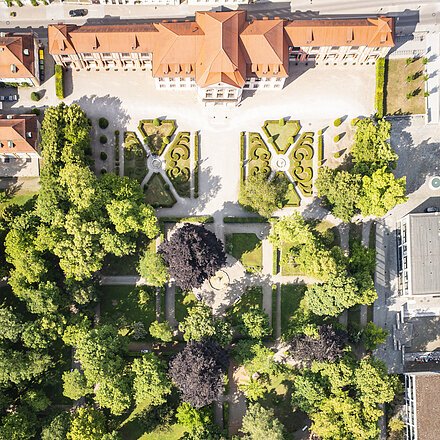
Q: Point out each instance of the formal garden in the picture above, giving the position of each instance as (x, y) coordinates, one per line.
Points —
(285, 155)
(164, 162)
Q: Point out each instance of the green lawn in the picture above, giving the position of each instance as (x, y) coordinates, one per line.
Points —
(125, 265)
(125, 305)
(247, 248)
(286, 267)
(183, 302)
(281, 135)
(173, 432)
(291, 295)
(157, 193)
(397, 87)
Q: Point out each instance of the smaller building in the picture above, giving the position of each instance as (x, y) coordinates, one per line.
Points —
(422, 407)
(419, 254)
(19, 59)
(19, 145)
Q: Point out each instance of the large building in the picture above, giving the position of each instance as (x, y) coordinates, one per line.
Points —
(220, 54)
(19, 59)
(19, 144)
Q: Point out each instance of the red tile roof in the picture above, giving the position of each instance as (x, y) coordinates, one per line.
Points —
(14, 134)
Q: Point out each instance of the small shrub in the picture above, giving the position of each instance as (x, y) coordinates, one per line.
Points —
(409, 78)
(424, 60)
(103, 171)
(290, 140)
(337, 155)
(409, 61)
(426, 94)
(116, 132)
(281, 122)
(337, 122)
(34, 3)
(156, 122)
(103, 155)
(36, 111)
(59, 81)
(103, 123)
(165, 141)
(425, 77)
(409, 95)
(354, 121)
(13, 13)
(337, 138)
(35, 96)
(103, 139)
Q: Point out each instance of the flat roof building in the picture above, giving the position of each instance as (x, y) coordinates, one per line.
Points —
(419, 254)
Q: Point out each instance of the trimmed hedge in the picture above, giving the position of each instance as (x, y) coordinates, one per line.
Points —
(103, 139)
(103, 123)
(103, 155)
(59, 81)
(245, 220)
(337, 122)
(194, 219)
(320, 147)
(242, 156)
(380, 87)
(35, 96)
(196, 165)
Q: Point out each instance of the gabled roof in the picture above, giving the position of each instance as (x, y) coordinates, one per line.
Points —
(372, 32)
(221, 58)
(265, 48)
(14, 134)
(14, 62)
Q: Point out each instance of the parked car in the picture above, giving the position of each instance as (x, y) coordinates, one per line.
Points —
(78, 12)
(3, 98)
(13, 98)
(432, 209)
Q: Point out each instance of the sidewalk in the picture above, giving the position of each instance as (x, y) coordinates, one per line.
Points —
(433, 83)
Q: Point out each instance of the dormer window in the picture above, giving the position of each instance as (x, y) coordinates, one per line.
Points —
(26, 51)
(29, 134)
(8, 116)
(13, 68)
(10, 144)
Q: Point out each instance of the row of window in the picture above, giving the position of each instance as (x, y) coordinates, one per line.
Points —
(11, 159)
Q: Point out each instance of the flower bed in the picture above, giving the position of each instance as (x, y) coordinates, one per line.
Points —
(281, 134)
(157, 134)
(135, 157)
(258, 155)
(157, 192)
(177, 161)
(301, 164)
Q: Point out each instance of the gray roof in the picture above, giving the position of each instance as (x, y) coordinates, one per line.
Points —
(424, 233)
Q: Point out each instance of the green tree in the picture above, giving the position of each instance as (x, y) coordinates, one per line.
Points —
(87, 423)
(193, 419)
(337, 294)
(75, 385)
(255, 324)
(57, 428)
(262, 195)
(373, 336)
(18, 425)
(161, 330)
(292, 230)
(153, 269)
(341, 190)
(36, 399)
(371, 150)
(381, 192)
(260, 423)
(151, 383)
(10, 324)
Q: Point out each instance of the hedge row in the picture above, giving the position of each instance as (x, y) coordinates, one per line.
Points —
(380, 87)
(196, 165)
(59, 81)
(245, 220)
(242, 156)
(195, 219)
(320, 147)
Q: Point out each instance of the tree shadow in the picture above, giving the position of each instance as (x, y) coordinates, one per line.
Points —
(417, 159)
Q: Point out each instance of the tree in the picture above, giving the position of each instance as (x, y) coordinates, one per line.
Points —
(374, 336)
(255, 324)
(36, 399)
(151, 384)
(153, 269)
(87, 423)
(193, 254)
(18, 425)
(381, 192)
(193, 419)
(161, 330)
(371, 150)
(327, 346)
(75, 385)
(341, 190)
(57, 428)
(200, 323)
(198, 370)
(292, 230)
(260, 423)
(261, 195)
(10, 324)
(337, 294)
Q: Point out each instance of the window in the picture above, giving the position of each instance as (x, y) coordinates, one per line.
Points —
(6, 159)
(335, 48)
(28, 160)
(87, 55)
(106, 55)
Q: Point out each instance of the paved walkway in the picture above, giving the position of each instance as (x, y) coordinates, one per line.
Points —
(123, 280)
(170, 304)
(237, 402)
(433, 83)
(344, 238)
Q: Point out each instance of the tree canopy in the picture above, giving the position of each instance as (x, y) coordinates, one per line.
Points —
(153, 269)
(197, 371)
(193, 254)
(260, 423)
(261, 195)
